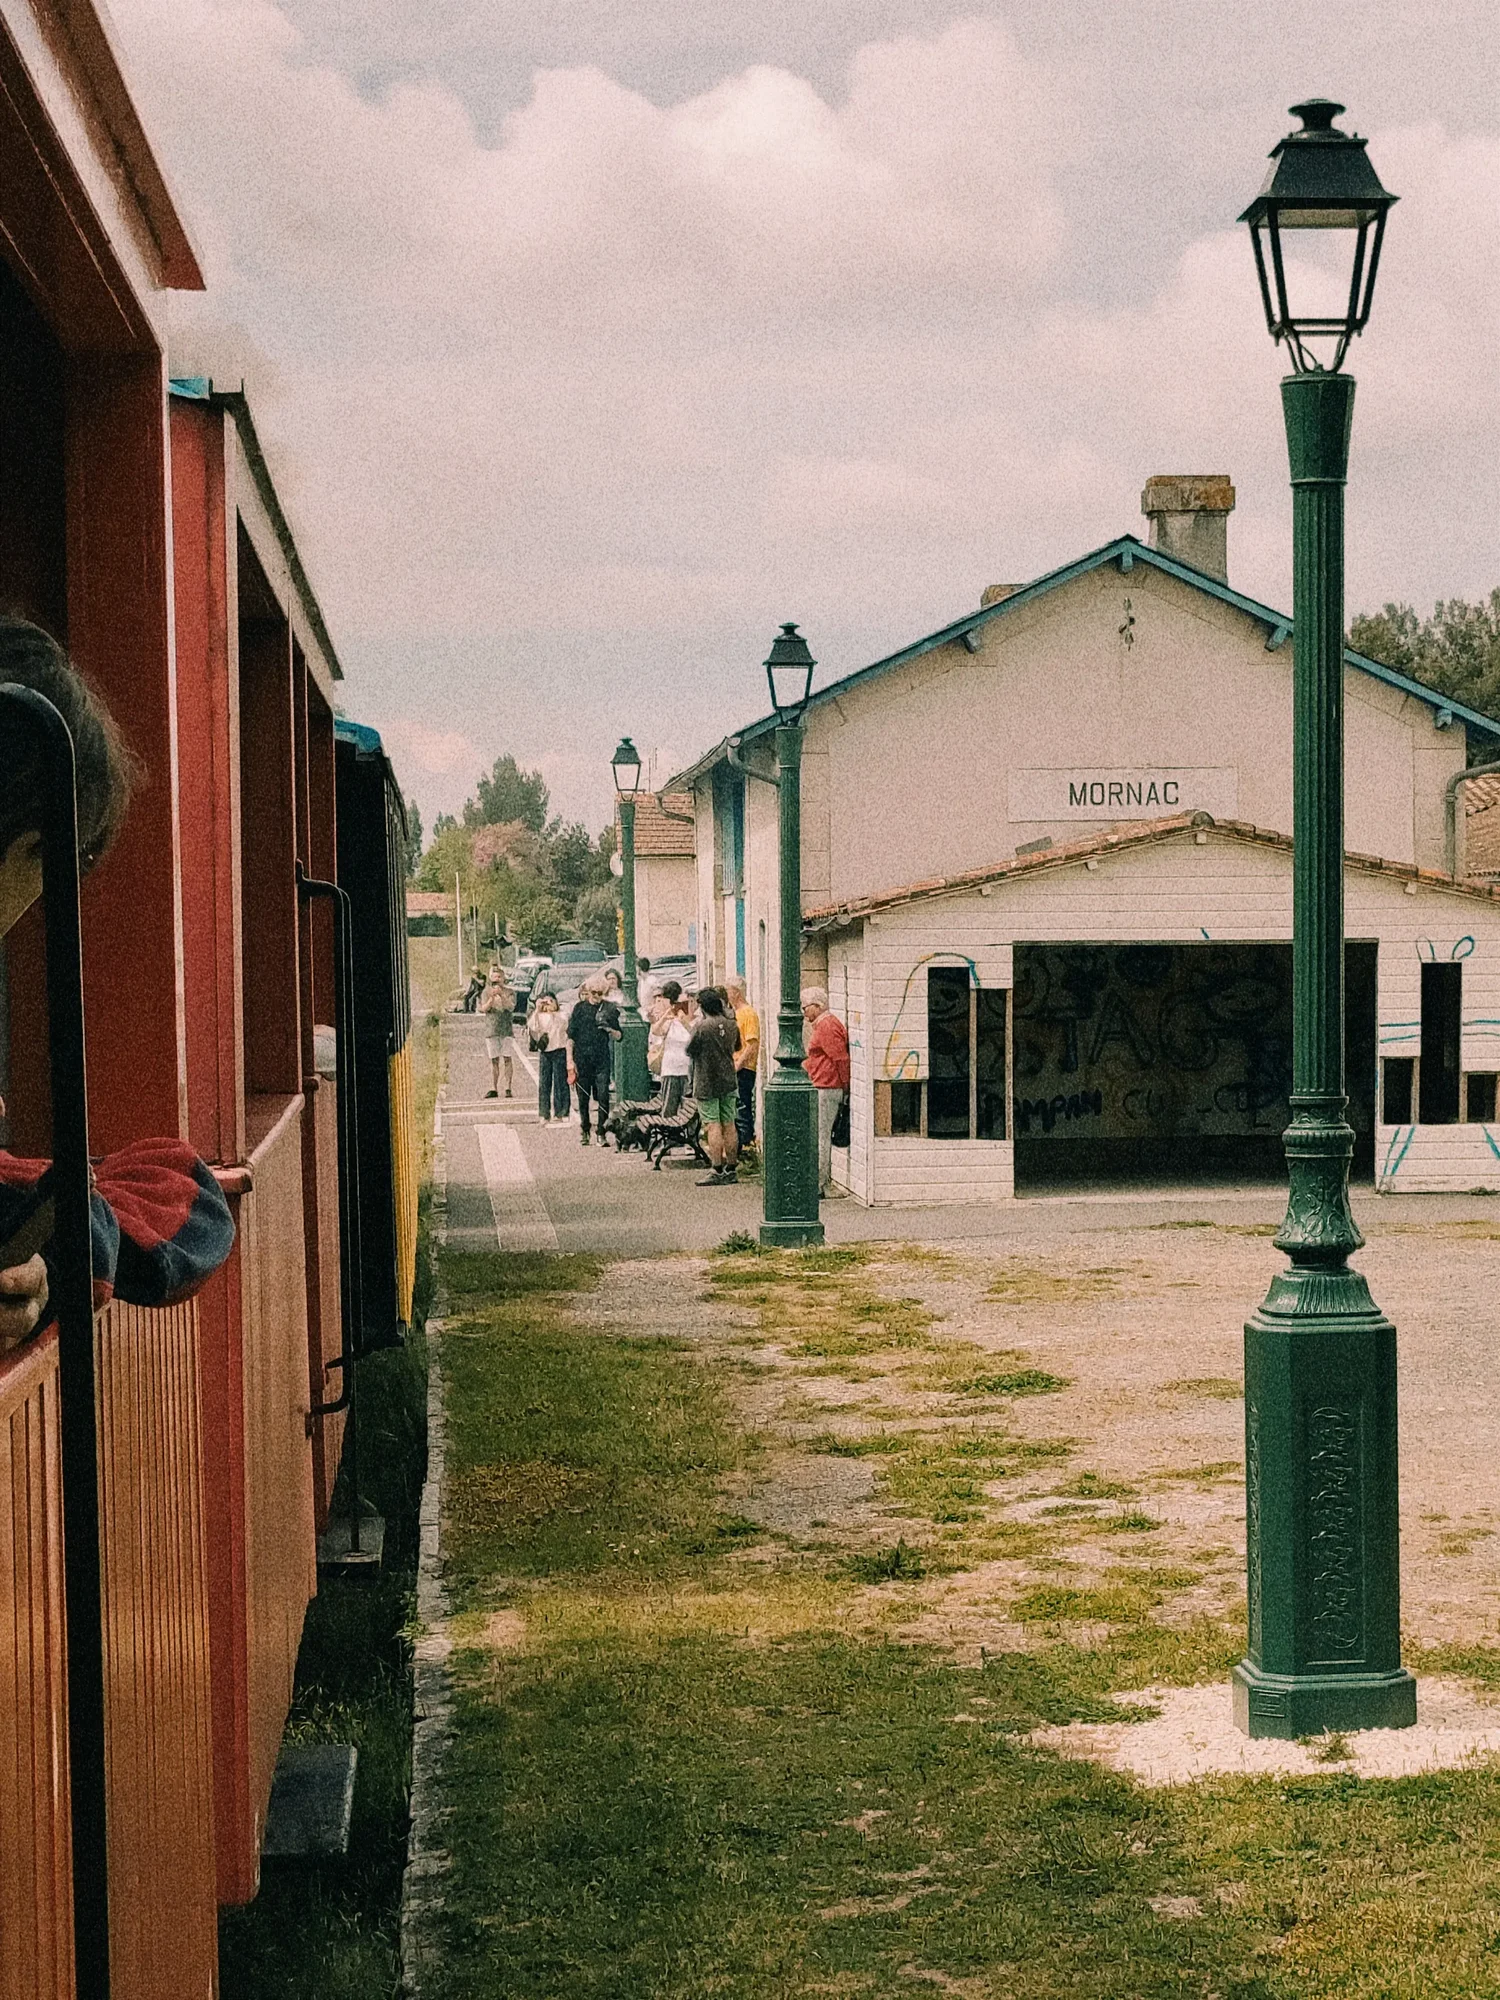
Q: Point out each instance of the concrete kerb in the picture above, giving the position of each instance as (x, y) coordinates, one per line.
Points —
(427, 1859)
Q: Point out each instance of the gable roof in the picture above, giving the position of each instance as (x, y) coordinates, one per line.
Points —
(1147, 833)
(1125, 552)
(664, 824)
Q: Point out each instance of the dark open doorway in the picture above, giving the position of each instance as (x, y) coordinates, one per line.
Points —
(1141, 1065)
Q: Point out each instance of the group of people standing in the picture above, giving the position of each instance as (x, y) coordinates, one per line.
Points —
(704, 1045)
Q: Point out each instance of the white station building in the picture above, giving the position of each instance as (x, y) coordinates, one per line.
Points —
(1047, 879)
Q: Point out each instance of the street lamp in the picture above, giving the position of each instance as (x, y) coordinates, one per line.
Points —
(791, 1103)
(632, 1077)
(1320, 1358)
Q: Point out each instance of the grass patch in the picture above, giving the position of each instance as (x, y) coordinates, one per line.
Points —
(895, 1565)
(1094, 1486)
(566, 1456)
(1207, 1474)
(1023, 1281)
(941, 1475)
(1220, 1388)
(815, 1303)
(953, 1373)
(689, 1777)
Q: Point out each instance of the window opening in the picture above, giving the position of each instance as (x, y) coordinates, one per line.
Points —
(1480, 1098)
(1442, 1013)
(906, 1107)
(966, 1057)
(950, 1068)
(1398, 1079)
(991, 1092)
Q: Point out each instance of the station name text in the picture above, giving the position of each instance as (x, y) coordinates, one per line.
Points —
(1124, 792)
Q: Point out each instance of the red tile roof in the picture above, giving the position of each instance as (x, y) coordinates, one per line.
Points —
(658, 827)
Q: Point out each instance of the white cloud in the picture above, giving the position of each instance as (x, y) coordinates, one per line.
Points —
(569, 418)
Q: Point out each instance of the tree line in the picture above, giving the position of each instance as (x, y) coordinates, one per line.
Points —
(529, 873)
(1456, 651)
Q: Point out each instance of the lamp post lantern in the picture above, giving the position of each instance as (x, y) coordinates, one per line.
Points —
(791, 1103)
(1320, 1358)
(632, 1078)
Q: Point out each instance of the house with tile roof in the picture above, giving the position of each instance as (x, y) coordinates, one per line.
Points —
(666, 873)
(1046, 866)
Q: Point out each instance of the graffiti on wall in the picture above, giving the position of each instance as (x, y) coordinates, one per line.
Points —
(1134, 1041)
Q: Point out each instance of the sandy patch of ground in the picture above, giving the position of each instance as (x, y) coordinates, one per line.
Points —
(1194, 1736)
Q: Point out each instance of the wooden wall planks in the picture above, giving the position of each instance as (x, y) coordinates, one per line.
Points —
(36, 1948)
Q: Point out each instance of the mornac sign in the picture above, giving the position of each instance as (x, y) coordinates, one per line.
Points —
(1129, 792)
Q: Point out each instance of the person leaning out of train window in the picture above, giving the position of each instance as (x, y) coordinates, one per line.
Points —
(161, 1225)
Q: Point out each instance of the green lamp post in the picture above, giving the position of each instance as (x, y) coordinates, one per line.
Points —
(791, 1103)
(632, 1078)
(1320, 1358)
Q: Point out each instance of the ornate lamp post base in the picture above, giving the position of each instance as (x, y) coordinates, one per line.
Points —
(1321, 1502)
(790, 1152)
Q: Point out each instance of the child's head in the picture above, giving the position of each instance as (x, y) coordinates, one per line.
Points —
(30, 658)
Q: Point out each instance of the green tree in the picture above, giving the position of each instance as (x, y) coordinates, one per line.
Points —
(574, 862)
(413, 836)
(1456, 651)
(539, 922)
(509, 793)
(596, 917)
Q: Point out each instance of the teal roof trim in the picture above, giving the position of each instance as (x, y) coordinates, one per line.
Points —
(1126, 551)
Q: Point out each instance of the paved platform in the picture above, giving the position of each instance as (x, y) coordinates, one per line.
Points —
(534, 1186)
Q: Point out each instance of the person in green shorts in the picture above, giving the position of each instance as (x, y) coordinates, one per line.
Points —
(711, 1050)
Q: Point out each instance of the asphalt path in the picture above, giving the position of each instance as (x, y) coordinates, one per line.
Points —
(531, 1186)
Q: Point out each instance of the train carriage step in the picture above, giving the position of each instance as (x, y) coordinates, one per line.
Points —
(337, 1553)
(312, 1802)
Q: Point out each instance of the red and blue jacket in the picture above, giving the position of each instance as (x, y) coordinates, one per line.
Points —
(161, 1225)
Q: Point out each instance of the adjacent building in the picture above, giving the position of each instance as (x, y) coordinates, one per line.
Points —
(666, 884)
(1047, 879)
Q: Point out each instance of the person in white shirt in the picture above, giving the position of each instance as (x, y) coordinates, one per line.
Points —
(676, 1065)
(549, 1036)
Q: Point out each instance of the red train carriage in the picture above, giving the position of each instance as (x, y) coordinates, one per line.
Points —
(141, 527)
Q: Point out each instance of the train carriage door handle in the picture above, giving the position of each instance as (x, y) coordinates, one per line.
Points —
(351, 1284)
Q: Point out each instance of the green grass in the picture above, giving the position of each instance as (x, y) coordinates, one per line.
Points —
(569, 1456)
(680, 1772)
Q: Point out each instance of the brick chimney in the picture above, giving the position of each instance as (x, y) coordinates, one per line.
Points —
(1189, 515)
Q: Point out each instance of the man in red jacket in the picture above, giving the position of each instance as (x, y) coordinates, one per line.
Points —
(828, 1068)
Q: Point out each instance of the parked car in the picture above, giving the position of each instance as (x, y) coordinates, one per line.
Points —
(681, 966)
(572, 963)
(524, 974)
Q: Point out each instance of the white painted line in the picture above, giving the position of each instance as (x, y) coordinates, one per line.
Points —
(521, 1218)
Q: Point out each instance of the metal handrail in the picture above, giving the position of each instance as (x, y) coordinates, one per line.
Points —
(351, 1277)
(25, 713)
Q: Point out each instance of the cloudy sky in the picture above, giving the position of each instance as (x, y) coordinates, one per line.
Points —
(589, 342)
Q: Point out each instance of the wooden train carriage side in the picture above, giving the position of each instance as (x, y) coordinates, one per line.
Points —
(88, 236)
(372, 868)
(255, 694)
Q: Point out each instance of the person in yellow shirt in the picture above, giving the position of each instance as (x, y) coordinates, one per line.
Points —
(746, 1061)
